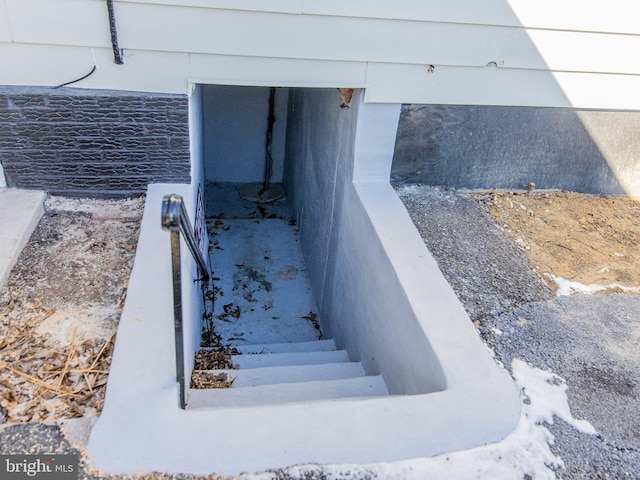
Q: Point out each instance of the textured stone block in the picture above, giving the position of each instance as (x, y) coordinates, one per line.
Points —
(115, 129)
(7, 129)
(14, 142)
(96, 116)
(28, 100)
(32, 129)
(76, 130)
(47, 115)
(71, 102)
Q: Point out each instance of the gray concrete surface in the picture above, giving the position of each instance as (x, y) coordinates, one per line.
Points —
(590, 341)
(20, 212)
(488, 147)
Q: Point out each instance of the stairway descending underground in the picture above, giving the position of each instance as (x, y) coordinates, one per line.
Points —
(265, 315)
(289, 372)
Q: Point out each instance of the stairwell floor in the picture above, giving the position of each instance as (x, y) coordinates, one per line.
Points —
(263, 294)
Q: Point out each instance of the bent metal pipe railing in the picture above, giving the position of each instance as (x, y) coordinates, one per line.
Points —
(176, 221)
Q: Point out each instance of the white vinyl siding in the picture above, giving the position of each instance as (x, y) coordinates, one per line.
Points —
(499, 52)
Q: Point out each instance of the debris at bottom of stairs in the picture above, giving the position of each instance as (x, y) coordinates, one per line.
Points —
(215, 359)
(201, 380)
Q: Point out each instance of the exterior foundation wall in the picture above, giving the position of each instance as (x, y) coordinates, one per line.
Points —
(92, 142)
(485, 147)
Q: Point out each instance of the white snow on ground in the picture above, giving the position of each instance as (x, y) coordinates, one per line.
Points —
(525, 453)
(568, 287)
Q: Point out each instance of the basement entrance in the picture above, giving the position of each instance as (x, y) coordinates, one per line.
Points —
(262, 290)
(404, 371)
(268, 344)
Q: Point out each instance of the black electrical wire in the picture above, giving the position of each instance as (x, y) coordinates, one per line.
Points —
(95, 67)
(117, 52)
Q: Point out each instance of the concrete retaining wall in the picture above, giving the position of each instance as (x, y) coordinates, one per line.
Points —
(483, 147)
(82, 142)
(361, 301)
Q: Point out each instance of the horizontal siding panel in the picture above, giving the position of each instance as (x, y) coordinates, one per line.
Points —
(355, 39)
(149, 27)
(311, 37)
(584, 52)
(276, 71)
(53, 65)
(60, 22)
(146, 71)
(42, 64)
(615, 16)
(279, 6)
(5, 31)
(489, 12)
(392, 83)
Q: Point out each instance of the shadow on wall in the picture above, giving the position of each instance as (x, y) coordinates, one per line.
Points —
(485, 147)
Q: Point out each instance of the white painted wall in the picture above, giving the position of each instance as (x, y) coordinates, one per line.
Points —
(235, 127)
(580, 54)
(191, 291)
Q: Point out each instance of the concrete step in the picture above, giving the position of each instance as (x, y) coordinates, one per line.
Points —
(253, 377)
(290, 358)
(20, 212)
(315, 346)
(371, 386)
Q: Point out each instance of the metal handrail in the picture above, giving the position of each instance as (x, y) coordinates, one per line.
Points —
(176, 221)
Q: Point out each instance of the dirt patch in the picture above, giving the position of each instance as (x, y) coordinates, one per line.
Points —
(61, 306)
(577, 243)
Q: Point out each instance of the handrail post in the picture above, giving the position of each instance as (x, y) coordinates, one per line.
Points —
(176, 221)
(177, 314)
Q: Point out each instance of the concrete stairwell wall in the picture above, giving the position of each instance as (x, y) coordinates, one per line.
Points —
(362, 304)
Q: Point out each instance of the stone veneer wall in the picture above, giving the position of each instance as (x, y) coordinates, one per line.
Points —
(92, 142)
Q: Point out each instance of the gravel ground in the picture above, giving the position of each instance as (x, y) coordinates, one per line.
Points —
(489, 274)
(589, 340)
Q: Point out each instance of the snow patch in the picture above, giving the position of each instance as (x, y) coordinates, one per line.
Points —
(548, 396)
(525, 453)
(568, 287)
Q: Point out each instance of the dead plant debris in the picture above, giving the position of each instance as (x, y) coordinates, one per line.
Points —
(215, 359)
(60, 309)
(230, 311)
(202, 380)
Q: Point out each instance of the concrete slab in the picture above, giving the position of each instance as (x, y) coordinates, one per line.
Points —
(265, 295)
(285, 393)
(20, 212)
(253, 377)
